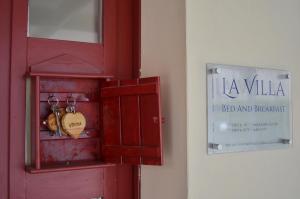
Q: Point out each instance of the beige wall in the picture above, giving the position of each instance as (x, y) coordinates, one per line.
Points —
(163, 54)
(241, 32)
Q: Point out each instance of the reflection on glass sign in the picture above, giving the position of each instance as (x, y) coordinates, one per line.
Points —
(248, 108)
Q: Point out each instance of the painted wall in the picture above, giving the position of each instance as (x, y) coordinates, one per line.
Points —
(247, 32)
(163, 54)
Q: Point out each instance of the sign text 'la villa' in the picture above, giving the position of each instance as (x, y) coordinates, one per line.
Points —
(255, 86)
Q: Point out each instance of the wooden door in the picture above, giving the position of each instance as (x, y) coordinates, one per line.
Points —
(117, 56)
(132, 121)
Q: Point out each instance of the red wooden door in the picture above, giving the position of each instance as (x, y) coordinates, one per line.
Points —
(117, 56)
(132, 121)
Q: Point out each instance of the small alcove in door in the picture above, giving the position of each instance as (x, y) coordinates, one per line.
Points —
(123, 118)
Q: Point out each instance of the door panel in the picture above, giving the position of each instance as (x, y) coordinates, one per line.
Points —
(40, 50)
(81, 184)
(132, 121)
(120, 184)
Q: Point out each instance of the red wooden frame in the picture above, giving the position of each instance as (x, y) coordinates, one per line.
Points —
(131, 127)
(115, 53)
(5, 35)
(58, 84)
(17, 99)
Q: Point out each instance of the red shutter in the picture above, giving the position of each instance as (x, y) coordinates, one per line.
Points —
(132, 121)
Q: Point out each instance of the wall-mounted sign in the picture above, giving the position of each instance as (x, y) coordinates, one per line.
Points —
(248, 108)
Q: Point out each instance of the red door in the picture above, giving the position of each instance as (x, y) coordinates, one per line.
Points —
(132, 121)
(117, 56)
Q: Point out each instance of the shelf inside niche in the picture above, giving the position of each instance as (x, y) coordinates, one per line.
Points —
(68, 166)
(81, 97)
(45, 135)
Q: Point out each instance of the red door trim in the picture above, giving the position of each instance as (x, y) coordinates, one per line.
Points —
(17, 102)
(5, 41)
(137, 39)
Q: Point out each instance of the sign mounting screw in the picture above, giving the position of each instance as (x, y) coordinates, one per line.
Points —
(217, 70)
(218, 147)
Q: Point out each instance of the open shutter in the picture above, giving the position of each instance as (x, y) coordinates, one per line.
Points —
(132, 121)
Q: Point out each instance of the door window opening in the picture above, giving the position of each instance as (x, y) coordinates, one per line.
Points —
(71, 20)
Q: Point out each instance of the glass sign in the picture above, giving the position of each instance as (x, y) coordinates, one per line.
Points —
(248, 108)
